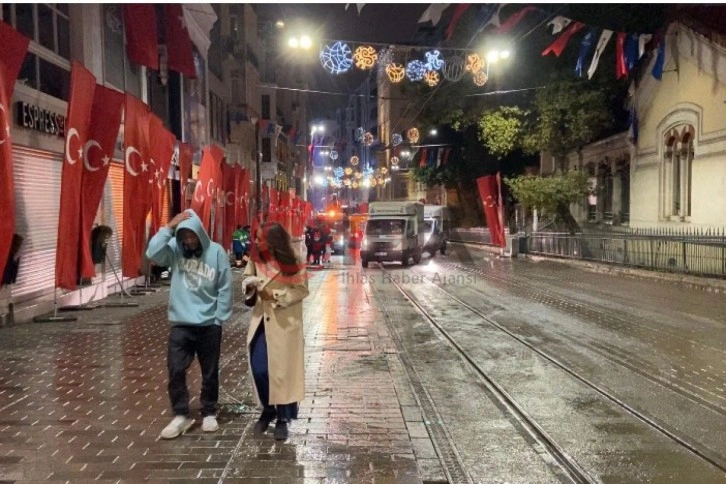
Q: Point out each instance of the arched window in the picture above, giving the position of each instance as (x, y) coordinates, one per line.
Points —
(677, 172)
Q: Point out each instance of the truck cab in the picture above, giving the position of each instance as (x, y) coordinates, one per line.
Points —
(394, 232)
(436, 232)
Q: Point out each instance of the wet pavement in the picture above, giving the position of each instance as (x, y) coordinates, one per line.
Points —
(394, 386)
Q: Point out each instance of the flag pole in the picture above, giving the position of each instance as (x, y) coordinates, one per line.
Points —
(54, 318)
(122, 304)
(79, 307)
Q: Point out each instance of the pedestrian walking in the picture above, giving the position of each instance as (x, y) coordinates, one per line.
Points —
(200, 302)
(275, 284)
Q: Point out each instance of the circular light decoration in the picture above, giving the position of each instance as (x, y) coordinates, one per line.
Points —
(368, 139)
(354, 184)
(332, 183)
(358, 175)
(336, 58)
(394, 160)
(395, 72)
(454, 69)
(474, 63)
(397, 139)
(412, 135)
(354, 160)
(338, 172)
(480, 78)
(348, 170)
(359, 132)
(415, 70)
(365, 57)
(333, 155)
(373, 182)
(434, 62)
(431, 78)
(384, 170)
(346, 182)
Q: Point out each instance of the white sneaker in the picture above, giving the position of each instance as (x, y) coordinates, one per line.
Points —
(209, 424)
(177, 427)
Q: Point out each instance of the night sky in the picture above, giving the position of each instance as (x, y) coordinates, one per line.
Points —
(397, 23)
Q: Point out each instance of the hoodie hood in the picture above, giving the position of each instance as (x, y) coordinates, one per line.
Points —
(194, 223)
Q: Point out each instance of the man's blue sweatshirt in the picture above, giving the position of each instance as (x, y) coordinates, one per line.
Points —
(201, 287)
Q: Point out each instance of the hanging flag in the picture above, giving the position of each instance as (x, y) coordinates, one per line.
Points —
(631, 51)
(278, 130)
(458, 12)
(494, 19)
(179, 53)
(243, 197)
(422, 161)
(657, 71)
(78, 118)
(161, 152)
(97, 153)
(186, 157)
(445, 158)
(512, 21)
(559, 45)
(431, 160)
(358, 5)
(633, 126)
(137, 189)
(585, 48)
(207, 182)
(489, 194)
(230, 175)
(621, 69)
(142, 44)
(433, 13)
(558, 23)
(12, 56)
(601, 43)
(643, 39)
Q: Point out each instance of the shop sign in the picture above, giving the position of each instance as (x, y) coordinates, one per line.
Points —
(38, 119)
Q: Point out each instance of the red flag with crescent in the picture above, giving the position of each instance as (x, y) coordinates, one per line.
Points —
(489, 193)
(207, 183)
(142, 43)
(78, 119)
(230, 175)
(137, 189)
(12, 56)
(97, 153)
(178, 43)
(161, 150)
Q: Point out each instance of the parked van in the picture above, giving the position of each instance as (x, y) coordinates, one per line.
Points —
(436, 233)
(394, 232)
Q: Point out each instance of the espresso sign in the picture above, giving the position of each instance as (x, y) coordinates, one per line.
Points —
(39, 119)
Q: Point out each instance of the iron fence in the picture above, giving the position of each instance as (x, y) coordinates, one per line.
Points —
(699, 252)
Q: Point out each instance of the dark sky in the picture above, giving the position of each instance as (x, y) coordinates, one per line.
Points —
(398, 23)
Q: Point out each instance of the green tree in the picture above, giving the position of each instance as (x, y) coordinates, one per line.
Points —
(552, 195)
(507, 126)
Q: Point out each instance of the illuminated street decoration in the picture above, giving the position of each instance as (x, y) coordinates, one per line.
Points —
(359, 132)
(368, 139)
(354, 160)
(434, 62)
(338, 172)
(348, 170)
(480, 78)
(397, 139)
(354, 184)
(358, 175)
(432, 78)
(394, 160)
(333, 155)
(415, 70)
(454, 68)
(373, 183)
(337, 58)
(395, 72)
(412, 135)
(385, 57)
(365, 57)
(384, 170)
(474, 63)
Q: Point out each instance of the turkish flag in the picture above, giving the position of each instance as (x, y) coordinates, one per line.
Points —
(561, 42)
(243, 198)
(142, 44)
(621, 67)
(78, 120)
(179, 56)
(489, 192)
(186, 156)
(230, 174)
(97, 153)
(205, 189)
(272, 205)
(161, 150)
(12, 56)
(137, 184)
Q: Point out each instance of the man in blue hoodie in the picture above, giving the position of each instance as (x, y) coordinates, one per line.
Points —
(200, 301)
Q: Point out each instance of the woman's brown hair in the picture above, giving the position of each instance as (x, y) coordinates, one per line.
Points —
(279, 248)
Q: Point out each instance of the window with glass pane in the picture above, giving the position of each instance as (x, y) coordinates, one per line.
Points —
(54, 80)
(24, 20)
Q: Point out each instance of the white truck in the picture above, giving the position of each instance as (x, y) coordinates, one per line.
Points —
(436, 232)
(394, 233)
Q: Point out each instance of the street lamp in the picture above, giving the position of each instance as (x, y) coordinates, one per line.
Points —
(433, 132)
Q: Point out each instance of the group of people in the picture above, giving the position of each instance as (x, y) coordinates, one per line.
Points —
(317, 242)
(200, 303)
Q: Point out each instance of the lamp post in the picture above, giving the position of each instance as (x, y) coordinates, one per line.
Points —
(258, 175)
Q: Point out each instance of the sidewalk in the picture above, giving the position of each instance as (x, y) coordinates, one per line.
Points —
(86, 400)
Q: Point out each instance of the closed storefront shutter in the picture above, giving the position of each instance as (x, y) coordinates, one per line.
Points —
(37, 176)
(114, 214)
(165, 204)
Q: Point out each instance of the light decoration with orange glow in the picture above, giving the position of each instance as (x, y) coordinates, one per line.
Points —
(432, 78)
(480, 78)
(412, 135)
(354, 160)
(365, 57)
(395, 72)
(474, 63)
(394, 160)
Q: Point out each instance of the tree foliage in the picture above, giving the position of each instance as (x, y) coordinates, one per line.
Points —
(502, 130)
(551, 193)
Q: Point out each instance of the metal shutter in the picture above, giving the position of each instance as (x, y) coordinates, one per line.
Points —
(37, 176)
(114, 213)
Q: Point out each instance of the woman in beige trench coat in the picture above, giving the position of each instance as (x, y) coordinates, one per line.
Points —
(277, 283)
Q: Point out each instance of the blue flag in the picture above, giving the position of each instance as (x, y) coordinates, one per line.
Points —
(631, 51)
(585, 47)
(659, 60)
